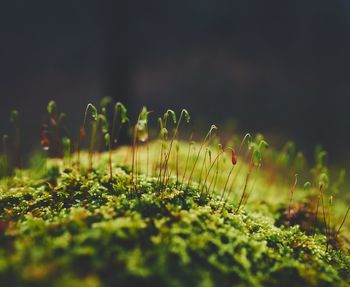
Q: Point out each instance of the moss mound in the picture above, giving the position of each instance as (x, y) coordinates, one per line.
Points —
(67, 228)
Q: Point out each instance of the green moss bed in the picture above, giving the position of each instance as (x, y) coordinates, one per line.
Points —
(71, 228)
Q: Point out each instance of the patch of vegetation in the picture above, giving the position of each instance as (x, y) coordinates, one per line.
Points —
(168, 212)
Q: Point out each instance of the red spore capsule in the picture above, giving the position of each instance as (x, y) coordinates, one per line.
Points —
(234, 158)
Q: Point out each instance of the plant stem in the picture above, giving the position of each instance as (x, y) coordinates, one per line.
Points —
(92, 143)
(172, 140)
(160, 162)
(82, 132)
(343, 221)
(203, 165)
(211, 166)
(177, 167)
(147, 147)
(245, 186)
(291, 196)
(226, 182)
(133, 156)
(324, 217)
(214, 179)
(213, 127)
(186, 164)
(110, 160)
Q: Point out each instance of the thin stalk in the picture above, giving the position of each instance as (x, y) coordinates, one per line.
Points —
(213, 127)
(245, 186)
(138, 168)
(291, 196)
(92, 143)
(226, 183)
(247, 137)
(250, 191)
(119, 109)
(82, 132)
(211, 166)
(110, 160)
(316, 212)
(183, 112)
(133, 156)
(215, 179)
(141, 134)
(66, 145)
(160, 161)
(163, 135)
(187, 158)
(203, 165)
(108, 142)
(343, 221)
(329, 216)
(177, 165)
(234, 162)
(324, 217)
(147, 147)
(320, 199)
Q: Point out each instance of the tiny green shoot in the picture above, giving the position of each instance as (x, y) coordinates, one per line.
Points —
(82, 131)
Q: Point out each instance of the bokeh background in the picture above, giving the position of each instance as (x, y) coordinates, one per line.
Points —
(278, 67)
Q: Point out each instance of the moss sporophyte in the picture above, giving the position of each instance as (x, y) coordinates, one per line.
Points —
(166, 211)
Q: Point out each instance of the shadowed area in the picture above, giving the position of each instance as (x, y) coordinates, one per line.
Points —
(276, 67)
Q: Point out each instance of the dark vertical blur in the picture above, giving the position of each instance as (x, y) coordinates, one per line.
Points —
(279, 67)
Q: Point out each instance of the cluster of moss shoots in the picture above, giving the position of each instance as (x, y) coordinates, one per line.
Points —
(166, 212)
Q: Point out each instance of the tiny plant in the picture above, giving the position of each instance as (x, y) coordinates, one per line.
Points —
(53, 129)
(164, 137)
(184, 113)
(140, 133)
(121, 112)
(82, 131)
(234, 161)
(322, 185)
(94, 132)
(215, 177)
(255, 161)
(107, 139)
(295, 182)
(66, 144)
(177, 148)
(247, 138)
(190, 145)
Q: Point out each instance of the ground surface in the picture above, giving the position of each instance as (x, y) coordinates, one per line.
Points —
(63, 227)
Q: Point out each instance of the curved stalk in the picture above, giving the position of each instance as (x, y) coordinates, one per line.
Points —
(185, 113)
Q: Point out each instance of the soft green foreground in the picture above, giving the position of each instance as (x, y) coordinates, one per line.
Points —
(61, 227)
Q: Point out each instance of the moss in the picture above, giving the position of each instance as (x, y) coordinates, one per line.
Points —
(68, 228)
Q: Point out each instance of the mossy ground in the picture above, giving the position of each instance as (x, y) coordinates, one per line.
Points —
(63, 227)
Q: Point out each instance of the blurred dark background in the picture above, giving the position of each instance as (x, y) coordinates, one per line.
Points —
(278, 67)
